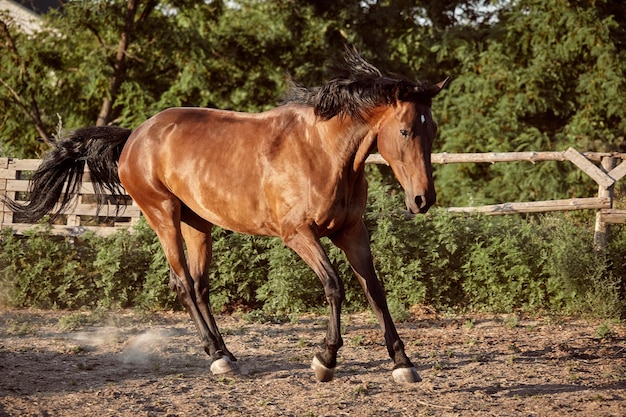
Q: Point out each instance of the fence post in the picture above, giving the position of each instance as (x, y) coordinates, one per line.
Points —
(6, 215)
(601, 230)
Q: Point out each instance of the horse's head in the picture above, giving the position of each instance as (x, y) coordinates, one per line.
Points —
(405, 140)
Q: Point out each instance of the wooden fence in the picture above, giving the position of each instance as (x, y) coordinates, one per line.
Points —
(81, 216)
(603, 168)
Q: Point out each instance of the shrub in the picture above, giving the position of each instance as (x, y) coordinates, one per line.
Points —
(47, 271)
(486, 263)
(43, 271)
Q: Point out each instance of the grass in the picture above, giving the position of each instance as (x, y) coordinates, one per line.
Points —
(17, 327)
(604, 331)
(356, 341)
(77, 320)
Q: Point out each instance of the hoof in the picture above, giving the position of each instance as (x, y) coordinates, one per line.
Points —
(406, 375)
(322, 373)
(223, 366)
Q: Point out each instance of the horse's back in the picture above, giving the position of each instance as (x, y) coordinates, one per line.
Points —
(178, 128)
(225, 166)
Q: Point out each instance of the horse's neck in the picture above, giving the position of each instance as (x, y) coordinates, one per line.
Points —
(363, 150)
(349, 142)
(365, 138)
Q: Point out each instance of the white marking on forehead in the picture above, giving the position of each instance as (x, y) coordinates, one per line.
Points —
(423, 118)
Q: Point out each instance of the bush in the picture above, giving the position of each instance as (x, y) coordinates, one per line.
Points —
(46, 271)
(487, 263)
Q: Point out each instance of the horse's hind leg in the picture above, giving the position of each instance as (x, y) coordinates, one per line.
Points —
(163, 213)
(197, 235)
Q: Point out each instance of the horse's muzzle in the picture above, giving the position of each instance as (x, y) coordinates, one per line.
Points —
(419, 204)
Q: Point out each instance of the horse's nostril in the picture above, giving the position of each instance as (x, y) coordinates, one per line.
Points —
(420, 201)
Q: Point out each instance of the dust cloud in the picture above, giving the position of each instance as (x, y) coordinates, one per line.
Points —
(138, 349)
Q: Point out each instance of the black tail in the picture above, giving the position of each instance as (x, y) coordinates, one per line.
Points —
(60, 174)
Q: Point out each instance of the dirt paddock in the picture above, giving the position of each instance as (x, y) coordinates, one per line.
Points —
(130, 364)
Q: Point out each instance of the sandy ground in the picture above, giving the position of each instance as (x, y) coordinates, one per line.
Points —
(127, 364)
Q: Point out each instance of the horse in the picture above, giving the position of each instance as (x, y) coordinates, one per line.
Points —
(295, 171)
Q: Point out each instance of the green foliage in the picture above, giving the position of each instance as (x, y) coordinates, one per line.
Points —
(181, 53)
(239, 265)
(527, 75)
(46, 271)
(544, 263)
(604, 331)
(546, 75)
(43, 272)
(131, 269)
(485, 263)
(290, 285)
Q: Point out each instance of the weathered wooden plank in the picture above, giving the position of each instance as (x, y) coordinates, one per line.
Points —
(63, 230)
(105, 211)
(618, 172)
(7, 174)
(589, 168)
(493, 157)
(13, 185)
(90, 210)
(613, 216)
(537, 206)
(24, 164)
(600, 228)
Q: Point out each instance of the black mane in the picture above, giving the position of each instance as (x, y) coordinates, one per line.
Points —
(359, 87)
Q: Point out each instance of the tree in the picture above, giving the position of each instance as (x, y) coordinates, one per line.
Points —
(74, 71)
(547, 76)
(527, 74)
(120, 62)
(26, 72)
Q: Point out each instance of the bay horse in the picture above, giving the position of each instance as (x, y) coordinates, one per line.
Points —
(295, 171)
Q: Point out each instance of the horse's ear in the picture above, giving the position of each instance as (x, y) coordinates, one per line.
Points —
(433, 90)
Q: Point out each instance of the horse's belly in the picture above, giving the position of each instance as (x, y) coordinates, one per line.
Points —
(233, 212)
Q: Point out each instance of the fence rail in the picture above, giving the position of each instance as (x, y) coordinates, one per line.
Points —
(81, 216)
(606, 174)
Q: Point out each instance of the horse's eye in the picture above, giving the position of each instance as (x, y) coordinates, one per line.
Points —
(404, 133)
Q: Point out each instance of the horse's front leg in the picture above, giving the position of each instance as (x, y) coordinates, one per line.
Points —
(355, 243)
(306, 244)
